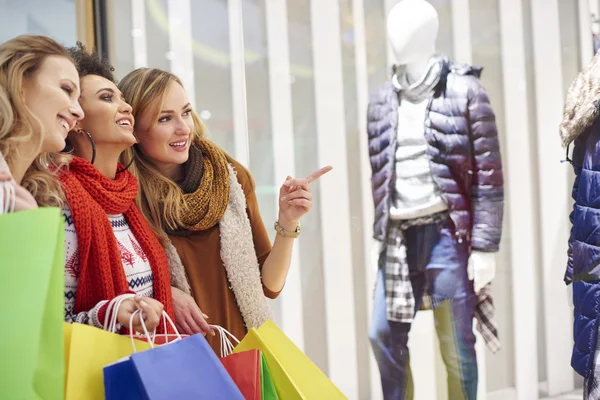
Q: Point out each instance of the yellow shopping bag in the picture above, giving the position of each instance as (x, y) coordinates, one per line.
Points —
(87, 352)
(295, 376)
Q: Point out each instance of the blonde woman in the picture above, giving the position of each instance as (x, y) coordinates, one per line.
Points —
(39, 91)
(204, 202)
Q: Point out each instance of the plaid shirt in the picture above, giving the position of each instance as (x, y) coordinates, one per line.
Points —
(591, 387)
(400, 300)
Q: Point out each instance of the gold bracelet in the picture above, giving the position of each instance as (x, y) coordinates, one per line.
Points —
(287, 234)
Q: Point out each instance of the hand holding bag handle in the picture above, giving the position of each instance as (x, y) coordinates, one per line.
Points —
(151, 337)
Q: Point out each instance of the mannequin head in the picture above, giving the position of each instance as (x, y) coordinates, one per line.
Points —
(412, 28)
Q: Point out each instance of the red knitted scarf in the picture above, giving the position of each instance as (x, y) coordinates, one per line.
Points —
(91, 196)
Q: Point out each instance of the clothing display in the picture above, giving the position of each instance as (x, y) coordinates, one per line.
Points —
(438, 194)
(101, 275)
(460, 130)
(438, 267)
(581, 127)
(225, 281)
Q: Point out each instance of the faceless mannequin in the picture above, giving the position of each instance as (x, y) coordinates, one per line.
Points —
(412, 29)
(422, 127)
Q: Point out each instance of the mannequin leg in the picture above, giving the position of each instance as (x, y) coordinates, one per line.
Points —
(457, 345)
(454, 302)
(389, 339)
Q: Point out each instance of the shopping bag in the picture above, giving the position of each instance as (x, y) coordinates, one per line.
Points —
(267, 388)
(121, 382)
(32, 304)
(68, 331)
(294, 375)
(184, 369)
(90, 350)
(245, 370)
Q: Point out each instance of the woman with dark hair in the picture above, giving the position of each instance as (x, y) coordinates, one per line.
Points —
(114, 262)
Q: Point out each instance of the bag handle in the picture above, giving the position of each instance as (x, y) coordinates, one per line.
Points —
(8, 193)
(112, 311)
(150, 338)
(8, 197)
(226, 337)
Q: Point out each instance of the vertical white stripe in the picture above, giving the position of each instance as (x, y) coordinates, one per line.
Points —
(594, 8)
(585, 32)
(283, 151)
(335, 207)
(424, 358)
(238, 82)
(180, 44)
(138, 33)
(362, 95)
(520, 198)
(554, 194)
(461, 30)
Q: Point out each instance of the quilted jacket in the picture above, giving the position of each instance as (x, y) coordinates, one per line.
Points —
(581, 127)
(463, 149)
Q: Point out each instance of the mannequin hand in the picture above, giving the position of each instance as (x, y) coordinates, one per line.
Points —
(188, 316)
(481, 269)
(151, 312)
(375, 253)
(295, 199)
(23, 199)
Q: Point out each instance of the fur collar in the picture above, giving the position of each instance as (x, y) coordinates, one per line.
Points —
(238, 256)
(582, 103)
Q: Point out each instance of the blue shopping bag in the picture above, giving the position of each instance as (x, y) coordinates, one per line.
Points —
(184, 369)
(121, 383)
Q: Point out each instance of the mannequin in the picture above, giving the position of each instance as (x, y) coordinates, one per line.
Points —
(438, 193)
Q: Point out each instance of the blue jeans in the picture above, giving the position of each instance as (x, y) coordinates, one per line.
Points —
(438, 265)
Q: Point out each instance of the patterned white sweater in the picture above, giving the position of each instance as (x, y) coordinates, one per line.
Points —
(135, 265)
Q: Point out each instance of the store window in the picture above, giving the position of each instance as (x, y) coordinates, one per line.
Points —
(56, 19)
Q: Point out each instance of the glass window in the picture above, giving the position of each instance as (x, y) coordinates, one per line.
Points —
(56, 19)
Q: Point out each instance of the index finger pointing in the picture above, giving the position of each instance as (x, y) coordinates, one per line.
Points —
(317, 174)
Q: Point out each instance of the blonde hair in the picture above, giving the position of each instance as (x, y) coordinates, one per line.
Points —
(20, 57)
(160, 199)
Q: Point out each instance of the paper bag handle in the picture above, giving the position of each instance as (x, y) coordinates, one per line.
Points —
(150, 338)
(8, 197)
(226, 336)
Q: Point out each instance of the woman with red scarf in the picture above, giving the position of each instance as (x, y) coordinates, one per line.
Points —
(111, 252)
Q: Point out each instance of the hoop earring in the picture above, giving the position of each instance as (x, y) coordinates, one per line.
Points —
(128, 165)
(92, 142)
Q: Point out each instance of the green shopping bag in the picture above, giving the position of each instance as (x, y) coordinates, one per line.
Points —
(267, 388)
(32, 304)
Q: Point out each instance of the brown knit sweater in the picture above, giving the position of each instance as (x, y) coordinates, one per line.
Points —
(200, 254)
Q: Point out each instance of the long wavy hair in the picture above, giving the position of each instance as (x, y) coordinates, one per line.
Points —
(21, 57)
(160, 199)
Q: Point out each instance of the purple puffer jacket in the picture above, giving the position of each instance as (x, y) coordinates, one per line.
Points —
(464, 152)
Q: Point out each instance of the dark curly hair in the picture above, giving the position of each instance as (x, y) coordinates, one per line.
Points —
(91, 63)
